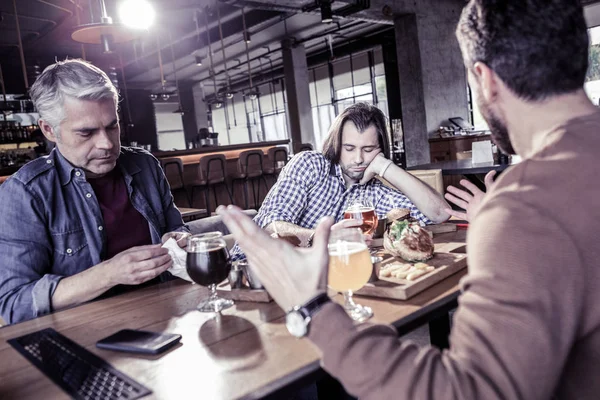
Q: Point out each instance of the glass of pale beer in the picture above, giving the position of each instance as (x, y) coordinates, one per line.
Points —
(350, 268)
(363, 210)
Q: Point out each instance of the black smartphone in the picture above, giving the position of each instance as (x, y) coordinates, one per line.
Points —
(136, 341)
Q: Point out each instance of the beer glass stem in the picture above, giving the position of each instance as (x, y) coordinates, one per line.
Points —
(349, 303)
(356, 311)
(213, 293)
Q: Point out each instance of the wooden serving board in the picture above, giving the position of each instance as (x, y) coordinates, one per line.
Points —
(251, 295)
(445, 265)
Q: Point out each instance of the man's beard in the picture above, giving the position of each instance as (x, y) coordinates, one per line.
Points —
(497, 128)
(357, 176)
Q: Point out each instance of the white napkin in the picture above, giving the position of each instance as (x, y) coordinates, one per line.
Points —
(179, 256)
(482, 152)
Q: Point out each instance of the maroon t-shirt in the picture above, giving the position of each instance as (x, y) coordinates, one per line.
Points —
(124, 226)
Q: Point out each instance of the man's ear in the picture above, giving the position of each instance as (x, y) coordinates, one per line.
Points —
(487, 81)
(47, 130)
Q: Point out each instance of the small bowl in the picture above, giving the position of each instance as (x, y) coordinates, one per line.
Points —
(250, 276)
(376, 260)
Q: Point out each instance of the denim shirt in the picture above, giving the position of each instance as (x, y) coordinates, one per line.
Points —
(51, 225)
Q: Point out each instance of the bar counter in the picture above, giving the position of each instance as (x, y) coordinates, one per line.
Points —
(191, 158)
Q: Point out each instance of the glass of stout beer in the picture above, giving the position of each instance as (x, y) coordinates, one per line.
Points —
(362, 209)
(208, 264)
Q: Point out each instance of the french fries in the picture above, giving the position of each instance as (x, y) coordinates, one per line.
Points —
(405, 271)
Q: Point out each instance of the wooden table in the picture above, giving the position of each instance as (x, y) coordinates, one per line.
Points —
(247, 353)
(190, 214)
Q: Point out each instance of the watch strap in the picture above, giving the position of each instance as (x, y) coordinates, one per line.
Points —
(310, 308)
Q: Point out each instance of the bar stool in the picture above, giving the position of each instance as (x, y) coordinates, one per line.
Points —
(250, 168)
(175, 162)
(211, 173)
(306, 147)
(278, 157)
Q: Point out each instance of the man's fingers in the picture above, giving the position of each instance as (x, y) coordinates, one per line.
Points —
(244, 230)
(471, 187)
(347, 223)
(456, 200)
(489, 179)
(460, 193)
(321, 237)
(146, 252)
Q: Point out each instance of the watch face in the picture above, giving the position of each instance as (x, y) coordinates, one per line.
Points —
(296, 324)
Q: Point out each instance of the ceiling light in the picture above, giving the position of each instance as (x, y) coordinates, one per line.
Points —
(247, 37)
(326, 13)
(218, 104)
(104, 32)
(252, 95)
(137, 14)
(153, 96)
(198, 60)
(229, 95)
(164, 96)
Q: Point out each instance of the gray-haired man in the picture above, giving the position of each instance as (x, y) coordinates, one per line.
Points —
(88, 217)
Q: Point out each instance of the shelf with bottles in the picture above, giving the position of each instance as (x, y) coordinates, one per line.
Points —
(16, 103)
(16, 157)
(14, 132)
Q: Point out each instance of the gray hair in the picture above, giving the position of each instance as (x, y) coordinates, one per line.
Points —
(73, 78)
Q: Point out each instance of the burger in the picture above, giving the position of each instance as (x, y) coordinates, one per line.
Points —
(406, 239)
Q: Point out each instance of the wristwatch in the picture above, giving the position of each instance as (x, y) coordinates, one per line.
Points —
(298, 319)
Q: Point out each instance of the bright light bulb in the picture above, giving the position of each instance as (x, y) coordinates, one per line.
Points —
(164, 96)
(153, 96)
(138, 14)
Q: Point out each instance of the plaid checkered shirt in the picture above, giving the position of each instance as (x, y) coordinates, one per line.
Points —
(311, 187)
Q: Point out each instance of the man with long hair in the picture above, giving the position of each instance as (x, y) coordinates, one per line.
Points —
(314, 185)
(528, 324)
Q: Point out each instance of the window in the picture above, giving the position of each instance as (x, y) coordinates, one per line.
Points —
(354, 80)
(169, 126)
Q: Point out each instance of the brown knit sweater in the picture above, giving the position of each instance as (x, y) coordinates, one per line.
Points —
(528, 322)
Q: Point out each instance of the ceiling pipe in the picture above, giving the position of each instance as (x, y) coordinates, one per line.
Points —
(339, 28)
(229, 17)
(32, 17)
(271, 51)
(305, 40)
(21, 54)
(228, 94)
(264, 25)
(317, 59)
(346, 11)
(56, 6)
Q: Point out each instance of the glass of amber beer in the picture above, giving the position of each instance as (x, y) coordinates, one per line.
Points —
(350, 268)
(362, 209)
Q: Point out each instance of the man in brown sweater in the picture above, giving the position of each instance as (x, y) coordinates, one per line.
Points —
(528, 322)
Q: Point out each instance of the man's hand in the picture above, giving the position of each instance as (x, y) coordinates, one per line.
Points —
(470, 202)
(180, 238)
(292, 275)
(374, 167)
(352, 224)
(137, 265)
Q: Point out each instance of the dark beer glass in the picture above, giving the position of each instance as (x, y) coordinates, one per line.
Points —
(208, 264)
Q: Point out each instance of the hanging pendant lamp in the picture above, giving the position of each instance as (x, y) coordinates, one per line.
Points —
(106, 32)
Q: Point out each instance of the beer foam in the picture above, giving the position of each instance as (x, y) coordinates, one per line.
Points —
(342, 248)
(203, 247)
(359, 208)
